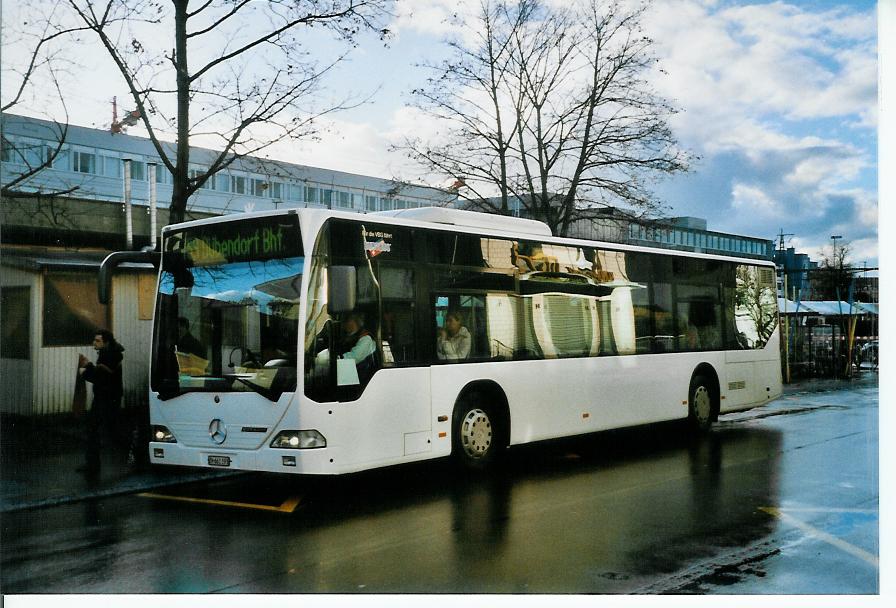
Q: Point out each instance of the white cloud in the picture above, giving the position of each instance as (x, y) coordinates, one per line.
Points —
(826, 165)
(354, 147)
(780, 101)
(866, 207)
(864, 250)
(853, 91)
(766, 58)
(361, 147)
(748, 199)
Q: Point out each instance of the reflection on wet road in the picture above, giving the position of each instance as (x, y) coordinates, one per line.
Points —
(646, 510)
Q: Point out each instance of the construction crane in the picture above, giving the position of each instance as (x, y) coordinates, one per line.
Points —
(781, 236)
(131, 117)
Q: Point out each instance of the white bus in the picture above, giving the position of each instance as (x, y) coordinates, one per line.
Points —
(319, 342)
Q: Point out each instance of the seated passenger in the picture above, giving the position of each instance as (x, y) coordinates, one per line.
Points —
(454, 341)
(357, 343)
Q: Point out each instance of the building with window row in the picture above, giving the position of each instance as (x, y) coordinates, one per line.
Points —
(681, 233)
(90, 165)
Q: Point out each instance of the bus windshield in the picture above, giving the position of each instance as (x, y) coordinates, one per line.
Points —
(227, 309)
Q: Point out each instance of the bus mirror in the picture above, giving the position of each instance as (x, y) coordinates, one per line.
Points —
(342, 289)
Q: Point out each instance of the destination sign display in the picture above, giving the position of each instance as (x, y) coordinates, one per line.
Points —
(238, 241)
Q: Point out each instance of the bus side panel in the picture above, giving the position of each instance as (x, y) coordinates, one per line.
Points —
(611, 392)
(752, 377)
(391, 422)
(550, 399)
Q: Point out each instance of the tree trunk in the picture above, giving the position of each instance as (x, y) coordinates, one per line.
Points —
(181, 190)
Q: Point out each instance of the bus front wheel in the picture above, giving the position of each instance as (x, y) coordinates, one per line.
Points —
(477, 441)
(700, 404)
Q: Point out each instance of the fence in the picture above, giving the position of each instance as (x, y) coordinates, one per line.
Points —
(822, 351)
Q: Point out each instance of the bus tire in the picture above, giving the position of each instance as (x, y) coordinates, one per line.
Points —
(701, 403)
(477, 435)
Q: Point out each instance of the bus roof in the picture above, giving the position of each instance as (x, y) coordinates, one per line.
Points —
(467, 221)
(471, 219)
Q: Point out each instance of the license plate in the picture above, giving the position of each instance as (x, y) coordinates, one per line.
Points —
(219, 461)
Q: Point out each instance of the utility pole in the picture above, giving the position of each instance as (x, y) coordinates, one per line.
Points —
(784, 273)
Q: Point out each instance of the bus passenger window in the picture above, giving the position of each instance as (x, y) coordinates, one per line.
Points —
(460, 327)
(398, 315)
(454, 341)
(399, 343)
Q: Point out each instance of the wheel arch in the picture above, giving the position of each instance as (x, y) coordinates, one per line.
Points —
(496, 397)
(709, 372)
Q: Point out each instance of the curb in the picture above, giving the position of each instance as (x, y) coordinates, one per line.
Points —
(127, 486)
(823, 386)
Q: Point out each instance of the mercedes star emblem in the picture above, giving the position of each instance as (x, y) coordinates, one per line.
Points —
(217, 431)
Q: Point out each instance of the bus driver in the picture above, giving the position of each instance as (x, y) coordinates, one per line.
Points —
(357, 344)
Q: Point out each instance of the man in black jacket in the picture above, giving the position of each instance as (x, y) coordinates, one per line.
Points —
(105, 375)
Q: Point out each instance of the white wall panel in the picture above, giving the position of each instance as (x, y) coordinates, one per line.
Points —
(54, 378)
(46, 383)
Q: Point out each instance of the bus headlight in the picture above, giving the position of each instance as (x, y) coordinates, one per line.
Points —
(162, 434)
(299, 440)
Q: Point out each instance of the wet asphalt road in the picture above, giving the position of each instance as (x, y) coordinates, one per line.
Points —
(782, 499)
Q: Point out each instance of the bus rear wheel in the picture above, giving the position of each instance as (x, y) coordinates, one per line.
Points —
(701, 404)
(477, 442)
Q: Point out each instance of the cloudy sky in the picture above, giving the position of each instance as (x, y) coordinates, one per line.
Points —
(778, 99)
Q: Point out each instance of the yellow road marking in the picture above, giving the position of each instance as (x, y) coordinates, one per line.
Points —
(288, 505)
(824, 536)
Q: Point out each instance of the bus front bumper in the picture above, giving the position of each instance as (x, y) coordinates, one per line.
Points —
(315, 461)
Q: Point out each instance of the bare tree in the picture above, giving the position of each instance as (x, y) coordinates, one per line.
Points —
(37, 33)
(257, 86)
(551, 106)
(835, 272)
(469, 94)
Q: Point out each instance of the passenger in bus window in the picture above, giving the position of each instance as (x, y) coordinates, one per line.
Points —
(453, 343)
(692, 336)
(357, 343)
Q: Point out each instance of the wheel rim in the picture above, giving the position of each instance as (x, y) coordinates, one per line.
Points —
(476, 433)
(702, 403)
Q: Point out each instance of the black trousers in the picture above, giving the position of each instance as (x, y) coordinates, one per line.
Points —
(102, 430)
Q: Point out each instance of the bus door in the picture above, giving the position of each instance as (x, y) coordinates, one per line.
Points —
(375, 377)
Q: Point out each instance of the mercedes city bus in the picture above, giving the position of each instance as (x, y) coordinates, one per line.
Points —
(313, 341)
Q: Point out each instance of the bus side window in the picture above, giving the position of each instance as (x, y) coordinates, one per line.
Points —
(460, 327)
(398, 329)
